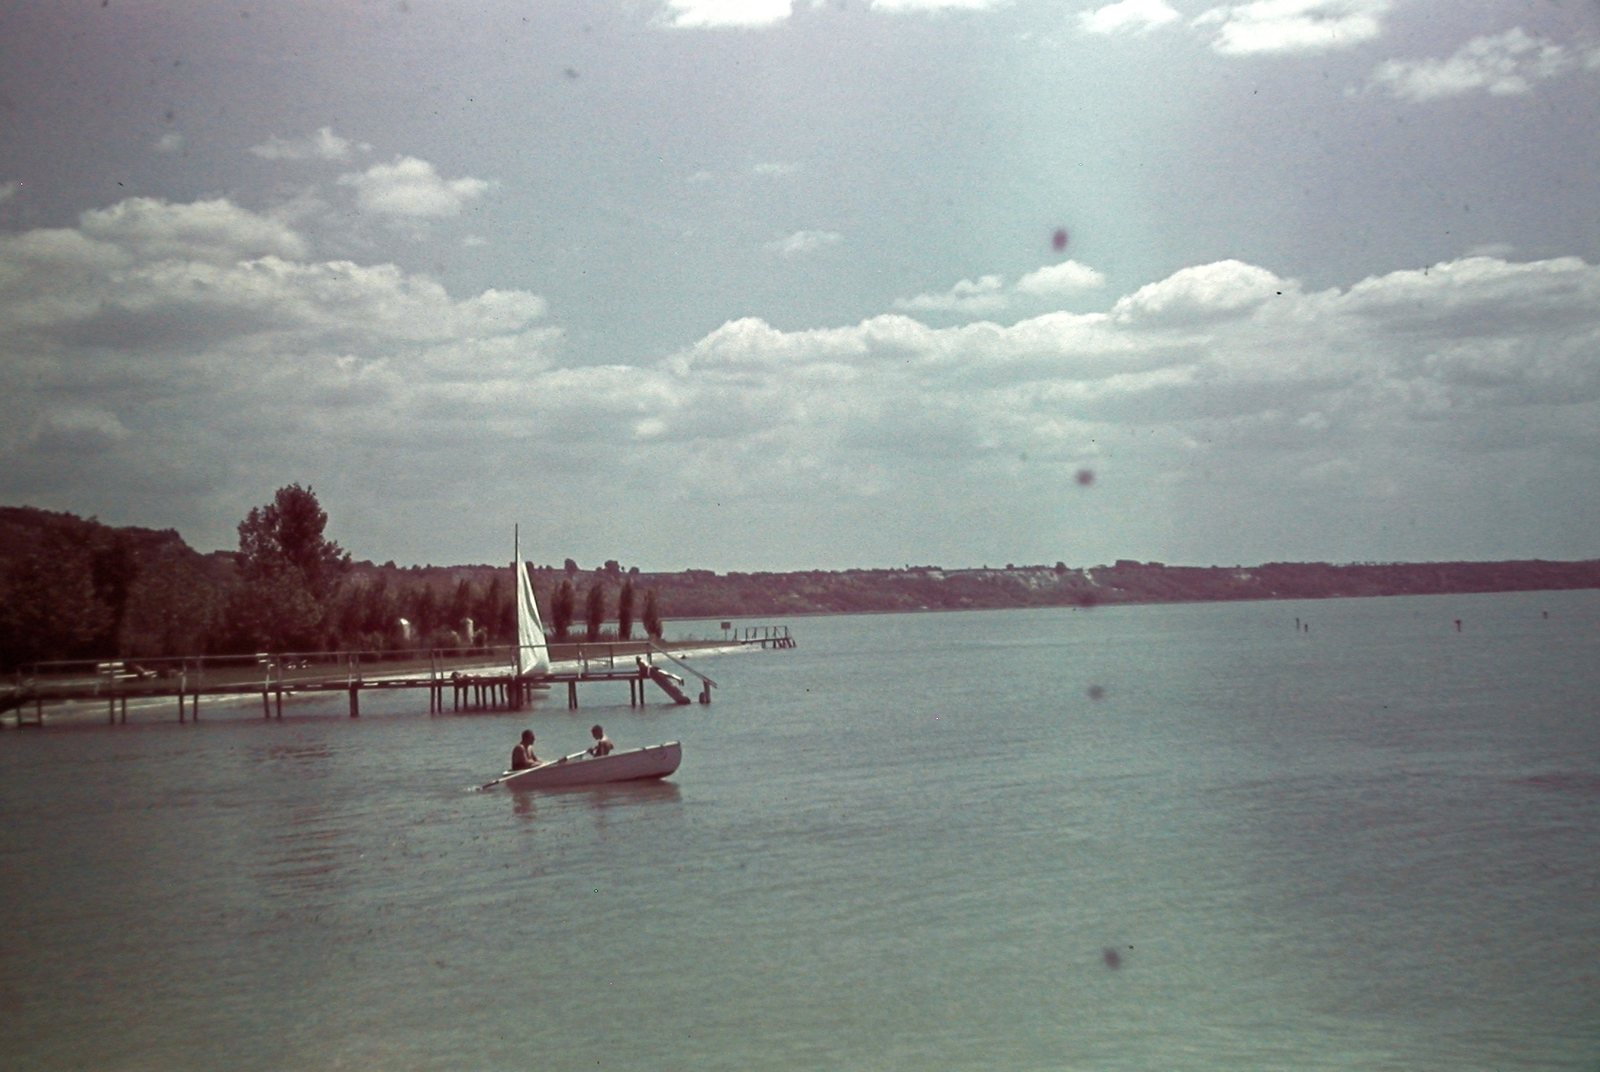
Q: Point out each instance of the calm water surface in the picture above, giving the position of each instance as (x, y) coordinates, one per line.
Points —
(917, 842)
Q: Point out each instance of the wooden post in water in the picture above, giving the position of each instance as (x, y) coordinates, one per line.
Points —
(183, 681)
(355, 700)
(572, 695)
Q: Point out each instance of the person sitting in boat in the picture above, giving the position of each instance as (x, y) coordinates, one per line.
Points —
(602, 743)
(522, 756)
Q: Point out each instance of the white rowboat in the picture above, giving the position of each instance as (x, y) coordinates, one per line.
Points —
(653, 761)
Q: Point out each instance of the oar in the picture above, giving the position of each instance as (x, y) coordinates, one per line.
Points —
(536, 766)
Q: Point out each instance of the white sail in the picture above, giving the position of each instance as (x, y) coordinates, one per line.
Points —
(533, 656)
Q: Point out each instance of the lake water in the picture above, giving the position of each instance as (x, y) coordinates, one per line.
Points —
(916, 842)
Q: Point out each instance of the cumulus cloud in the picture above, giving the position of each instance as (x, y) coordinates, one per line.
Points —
(1127, 16)
(77, 431)
(986, 294)
(1209, 292)
(802, 242)
(736, 14)
(903, 6)
(990, 294)
(322, 145)
(1057, 280)
(169, 142)
(1334, 382)
(714, 14)
(1268, 26)
(215, 232)
(1501, 65)
(138, 290)
(139, 354)
(411, 188)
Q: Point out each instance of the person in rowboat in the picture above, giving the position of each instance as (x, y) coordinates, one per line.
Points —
(522, 756)
(602, 743)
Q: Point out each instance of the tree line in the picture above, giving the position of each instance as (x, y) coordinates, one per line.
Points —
(73, 588)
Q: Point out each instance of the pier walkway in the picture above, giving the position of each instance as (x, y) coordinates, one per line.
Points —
(462, 679)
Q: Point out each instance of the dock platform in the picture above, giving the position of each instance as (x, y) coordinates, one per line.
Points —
(479, 679)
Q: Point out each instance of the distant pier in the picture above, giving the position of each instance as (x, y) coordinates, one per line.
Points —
(456, 680)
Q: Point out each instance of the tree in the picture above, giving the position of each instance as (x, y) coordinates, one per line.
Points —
(595, 609)
(461, 604)
(571, 567)
(652, 615)
(48, 604)
(287, 534)
(495, 611)
(289, 572)
(113, 570)
(424, 612)
(561, 609)
(625, 611)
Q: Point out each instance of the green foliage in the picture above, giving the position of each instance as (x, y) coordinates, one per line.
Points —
(286, 535)
(652, 615)
(288, 572)
(48, 605)
(625, 611)
(173, 604)
(561, 610)
(594, 611)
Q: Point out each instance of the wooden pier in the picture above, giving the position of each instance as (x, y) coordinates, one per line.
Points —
(479, 679)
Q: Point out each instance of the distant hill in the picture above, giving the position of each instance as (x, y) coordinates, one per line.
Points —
(75, 588)
(702, 594)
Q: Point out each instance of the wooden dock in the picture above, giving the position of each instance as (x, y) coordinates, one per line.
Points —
(480, 679)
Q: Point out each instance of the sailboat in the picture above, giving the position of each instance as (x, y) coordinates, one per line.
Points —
(580, 768)
(533, 654)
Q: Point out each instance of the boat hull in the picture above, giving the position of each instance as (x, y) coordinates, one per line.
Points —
(654, 761)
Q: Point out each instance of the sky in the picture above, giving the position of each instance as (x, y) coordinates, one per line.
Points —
(759, 285)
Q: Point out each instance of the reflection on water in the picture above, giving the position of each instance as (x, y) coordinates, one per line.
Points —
(598, 798)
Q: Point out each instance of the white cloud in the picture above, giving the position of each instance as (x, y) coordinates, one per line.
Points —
(774, 169)
(77, 431)
(1057, 280)
(411, 188)
(216, 232)
(986, 294)
(989, 293)
(1207, 292)
(322, 145)
(904, 6)
(1268, 26)
(1502, 65)
(715, 14)
(130, 363)
(8, 189)
(169, 142)
(802, 242)
(1127, 16)
(1319, 379)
